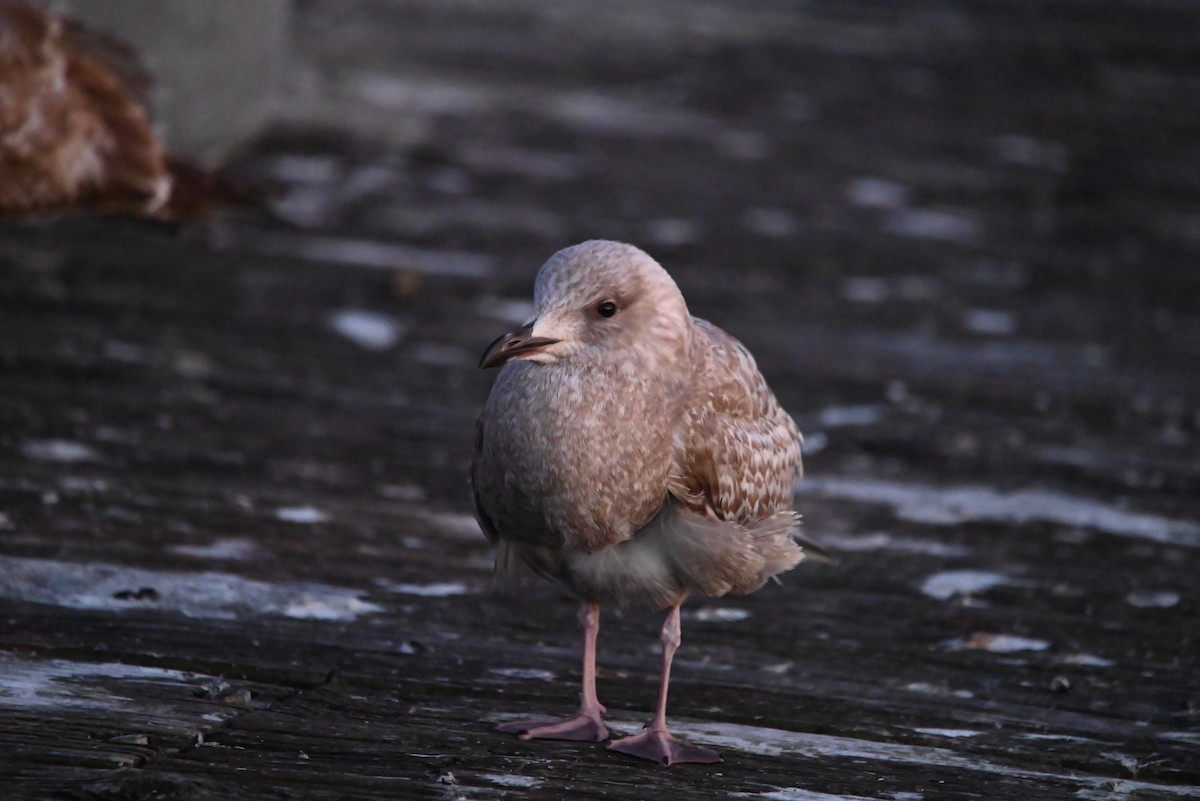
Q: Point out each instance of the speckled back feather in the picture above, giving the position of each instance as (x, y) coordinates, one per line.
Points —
(737, 452)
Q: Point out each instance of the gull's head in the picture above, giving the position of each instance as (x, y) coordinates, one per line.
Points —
(599, 300)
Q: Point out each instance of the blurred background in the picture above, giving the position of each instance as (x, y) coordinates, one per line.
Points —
(980, 204)
(946, 197)
(961, 239)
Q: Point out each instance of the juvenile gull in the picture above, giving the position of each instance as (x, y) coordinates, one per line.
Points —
(635, 454)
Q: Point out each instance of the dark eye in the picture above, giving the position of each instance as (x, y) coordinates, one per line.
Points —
(606, 309)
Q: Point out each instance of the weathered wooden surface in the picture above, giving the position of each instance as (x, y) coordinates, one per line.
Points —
(236, 556)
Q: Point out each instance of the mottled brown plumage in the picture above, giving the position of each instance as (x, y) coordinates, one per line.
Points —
(633, 453)
(74, 135)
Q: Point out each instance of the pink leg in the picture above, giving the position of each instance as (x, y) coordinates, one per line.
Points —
(587, 723)
(656, 743)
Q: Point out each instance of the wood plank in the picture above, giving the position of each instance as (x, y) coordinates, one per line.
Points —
(237, 557)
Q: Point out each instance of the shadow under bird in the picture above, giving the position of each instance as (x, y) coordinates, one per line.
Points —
(635, 454)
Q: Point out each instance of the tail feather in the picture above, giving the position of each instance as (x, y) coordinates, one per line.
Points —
(775, 538)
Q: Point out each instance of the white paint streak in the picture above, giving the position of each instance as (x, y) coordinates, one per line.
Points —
(931, 689)
(719, 614)
(882, 541)
(524, 673)
(239, 549)
(323, 605)
(997, 643)
(199, 595)
(1152, 599)
(777, 742)
(30, 683)
(367, 329)
(949, 583)
(435, 590)
(861, 415)
(958, 227)
(1066, 738)
(58, 450)
(403, 492)
(952, 733)
(800, 794)
(948, 506)
(301, 514)
(1192, 737)
(508, 780)
(1087, 660)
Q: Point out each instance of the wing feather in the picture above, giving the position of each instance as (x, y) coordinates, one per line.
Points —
(737, 452)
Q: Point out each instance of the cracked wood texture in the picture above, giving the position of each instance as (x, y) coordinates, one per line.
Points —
(236, 552)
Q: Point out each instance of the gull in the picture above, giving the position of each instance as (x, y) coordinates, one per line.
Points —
(635, 454)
